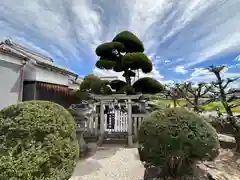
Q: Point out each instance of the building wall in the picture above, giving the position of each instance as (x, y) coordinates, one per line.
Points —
(52, 77)
(33, 73)
(10, 82)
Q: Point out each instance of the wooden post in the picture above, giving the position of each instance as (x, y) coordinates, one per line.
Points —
(101, 136)
(135, 126)
(96, 125)
(130, 139)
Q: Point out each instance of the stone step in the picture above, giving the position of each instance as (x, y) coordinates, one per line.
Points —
(116, 135)
(91, 139)
(115, 141)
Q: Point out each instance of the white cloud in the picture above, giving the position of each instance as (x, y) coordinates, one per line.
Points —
(181, 69)
(154, 74)
(237, 58)
(185, 32)
(111, 73)
(203, 75)
(44, 23)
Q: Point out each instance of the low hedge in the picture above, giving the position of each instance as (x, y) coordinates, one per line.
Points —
(174, 139)
(37, 141)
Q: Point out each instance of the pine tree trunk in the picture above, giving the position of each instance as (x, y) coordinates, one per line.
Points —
(128, 80)
(174, 102)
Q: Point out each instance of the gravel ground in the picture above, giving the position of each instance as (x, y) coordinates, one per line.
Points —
(110, 163)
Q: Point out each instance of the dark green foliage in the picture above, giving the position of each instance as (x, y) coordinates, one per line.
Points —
(136, 61)
(130, 41)
(105, 64)
(129, 73)
(88, 81)
(100, 87)
(37, 141)
(93, 84)
(124, 53)
(82, 95)
(117, 84)
(148, 85)
(175, 138)
(105, 49)
(126, 89)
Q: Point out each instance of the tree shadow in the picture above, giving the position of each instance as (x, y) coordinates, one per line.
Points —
(85, 167)
(106, 151)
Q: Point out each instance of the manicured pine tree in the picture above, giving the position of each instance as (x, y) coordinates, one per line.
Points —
(126, 54)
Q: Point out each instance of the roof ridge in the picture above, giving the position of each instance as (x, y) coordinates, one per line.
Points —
(22, 48)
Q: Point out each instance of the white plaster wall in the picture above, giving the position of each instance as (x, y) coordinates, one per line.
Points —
(51, 77)
(10, 83)
(30, 72)
(33, 73)
(10, 59)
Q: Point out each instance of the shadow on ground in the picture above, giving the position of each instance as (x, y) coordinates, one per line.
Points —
(86, 167)
(106, 152)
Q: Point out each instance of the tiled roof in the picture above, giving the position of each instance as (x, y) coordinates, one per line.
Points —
(42, 60)
(25, 51)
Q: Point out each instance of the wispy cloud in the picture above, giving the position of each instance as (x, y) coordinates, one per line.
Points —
(203, 75)
(178, 35)
(237, 58)
(181, 69)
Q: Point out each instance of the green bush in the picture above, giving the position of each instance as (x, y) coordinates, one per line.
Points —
(117, 84)
(174, 139)
(148, 85)
(129, 90)
(37, 141)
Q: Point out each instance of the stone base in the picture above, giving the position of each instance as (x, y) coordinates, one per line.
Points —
(100, 140)
(130, 141)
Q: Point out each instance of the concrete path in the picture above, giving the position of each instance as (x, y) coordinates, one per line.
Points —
(110, 163)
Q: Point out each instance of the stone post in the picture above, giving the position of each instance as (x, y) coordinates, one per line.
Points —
(130, 137)
(101, 135)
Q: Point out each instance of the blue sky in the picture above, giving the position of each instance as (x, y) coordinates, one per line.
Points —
(180, 37)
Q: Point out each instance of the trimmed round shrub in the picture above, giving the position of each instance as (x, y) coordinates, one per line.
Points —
(105, 64)
(37, 141)
(174, 139)
(117, 84)
(148, 85)
(88, 81)
(137, 60)
(105, 49)
(101, 87)
(130, 41)
(129, 90)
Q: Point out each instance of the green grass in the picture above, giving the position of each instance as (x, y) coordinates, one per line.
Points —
(166, 102)
(209, 107)
(214, 105)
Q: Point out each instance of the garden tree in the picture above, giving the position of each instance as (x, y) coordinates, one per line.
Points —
(172, 93)
(147, 85)
(117, 84)
(124, 54)
(172, 141)
(227, 98)
(88, 82)
(92, 84)
(194, 94)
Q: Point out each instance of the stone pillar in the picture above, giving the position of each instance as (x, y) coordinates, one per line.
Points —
(130, 137)
(101, 135)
